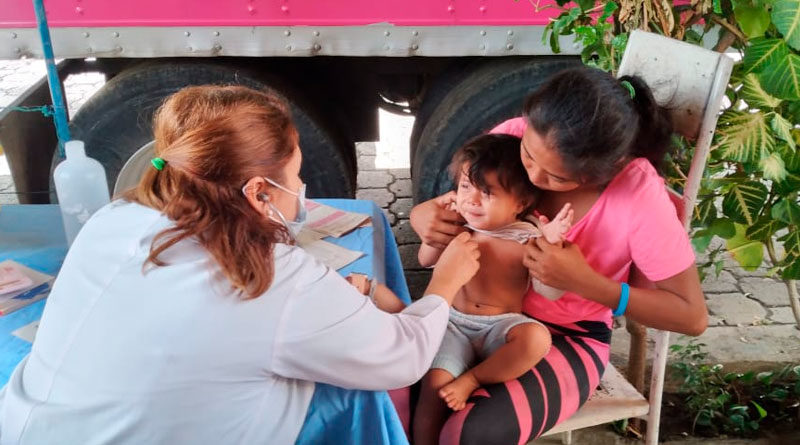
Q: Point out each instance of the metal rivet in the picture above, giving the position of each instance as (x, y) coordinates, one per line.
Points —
(287, 33)
(509, 46)
(79, 10)
(189, 49)
(387, 33)
(187, 33)
(217, 47)
(13, 35)
(316, 33)
(414, 33)
(89, 50)
(415, 47)
(317, 47)
(510, 32)
(451, 8)
(288, 47)
(285, 8)
(482, 9)
(85, 34)
(115, 34)
(386, 47)
(482, 47)
(118, 49)
(216, 33)
(17, 50)
(483, 32)
(251, 9)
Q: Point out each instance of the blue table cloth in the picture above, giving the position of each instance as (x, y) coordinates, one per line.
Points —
(33, 235)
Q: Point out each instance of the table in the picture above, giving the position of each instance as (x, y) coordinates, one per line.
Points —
(32, 235)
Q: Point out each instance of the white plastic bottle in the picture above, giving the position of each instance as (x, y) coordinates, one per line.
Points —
(81, 188)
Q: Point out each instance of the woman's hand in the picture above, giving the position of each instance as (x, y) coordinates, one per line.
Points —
(435, 222)
(456, 266)
(560, 267)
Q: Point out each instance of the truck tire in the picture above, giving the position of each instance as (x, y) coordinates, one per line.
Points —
(117, 121)
(486, 97)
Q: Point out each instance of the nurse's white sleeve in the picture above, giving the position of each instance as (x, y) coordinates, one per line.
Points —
(330, 333)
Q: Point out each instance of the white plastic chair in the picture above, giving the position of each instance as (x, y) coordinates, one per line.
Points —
(690, 81)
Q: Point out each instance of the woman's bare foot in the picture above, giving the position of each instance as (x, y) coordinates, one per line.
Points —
(456, 393)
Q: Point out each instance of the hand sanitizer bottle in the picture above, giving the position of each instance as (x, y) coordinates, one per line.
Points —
(81, 188)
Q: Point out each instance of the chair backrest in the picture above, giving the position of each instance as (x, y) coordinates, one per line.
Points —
(133, 169)
(690, 81)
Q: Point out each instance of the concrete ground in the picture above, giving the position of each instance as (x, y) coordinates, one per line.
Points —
(750, 318)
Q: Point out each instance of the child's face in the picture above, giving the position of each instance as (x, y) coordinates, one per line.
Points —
(482, 210)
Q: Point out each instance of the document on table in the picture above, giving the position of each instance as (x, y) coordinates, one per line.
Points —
(327, 253)
(325, 220)
(37, 286)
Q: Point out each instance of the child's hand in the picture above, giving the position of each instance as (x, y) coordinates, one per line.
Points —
(555, 230)
(359, 281)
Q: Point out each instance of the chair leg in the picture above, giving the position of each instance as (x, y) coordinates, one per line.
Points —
(637, 357)
(566, 437)
(657, 386)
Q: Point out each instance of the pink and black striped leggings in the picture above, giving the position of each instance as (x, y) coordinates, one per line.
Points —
(517, 411)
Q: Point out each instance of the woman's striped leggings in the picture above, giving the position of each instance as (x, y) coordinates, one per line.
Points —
(517, 411)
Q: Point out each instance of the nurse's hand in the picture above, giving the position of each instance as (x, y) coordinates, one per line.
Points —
(456, 266)
(435, 222)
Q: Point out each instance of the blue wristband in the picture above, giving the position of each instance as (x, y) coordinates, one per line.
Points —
(623, 300)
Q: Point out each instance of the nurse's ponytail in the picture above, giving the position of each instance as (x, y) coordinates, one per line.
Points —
(211, 141)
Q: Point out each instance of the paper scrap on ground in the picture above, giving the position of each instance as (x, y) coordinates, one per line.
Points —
(325, 220)
(38, 289)
(27, 332)
(329, 254)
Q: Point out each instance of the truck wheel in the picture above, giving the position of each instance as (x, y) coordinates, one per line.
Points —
(117, 121)
(486, 97)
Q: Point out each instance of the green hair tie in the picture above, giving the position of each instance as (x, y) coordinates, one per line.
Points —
(631, 90)
(158, 163)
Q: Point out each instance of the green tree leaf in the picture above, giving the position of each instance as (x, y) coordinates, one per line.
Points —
(744, 201)
(585, 4)
(748, 253)
(754, 95)
(786, 210)
(791, 262)
(763, 229)
(782, 79)
(608, 9)
(722, 228)
(782, 129)
(792, 111)
(786, 16)
(752, 20)
(773, 168)
(744, 137)
(763, 53)
(704, 212)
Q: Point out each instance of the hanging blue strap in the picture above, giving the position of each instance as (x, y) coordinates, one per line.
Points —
(60, 112)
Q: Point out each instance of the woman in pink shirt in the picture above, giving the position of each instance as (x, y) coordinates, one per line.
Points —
(596, 142)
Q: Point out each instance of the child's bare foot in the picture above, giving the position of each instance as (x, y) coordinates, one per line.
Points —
(456, 393)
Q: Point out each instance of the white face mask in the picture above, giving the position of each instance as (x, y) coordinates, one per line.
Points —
(300, 220)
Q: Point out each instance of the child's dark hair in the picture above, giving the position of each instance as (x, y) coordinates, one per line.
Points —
(591, 119)
(497, 153)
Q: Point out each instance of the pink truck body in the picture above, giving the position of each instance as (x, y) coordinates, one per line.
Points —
(336, 62)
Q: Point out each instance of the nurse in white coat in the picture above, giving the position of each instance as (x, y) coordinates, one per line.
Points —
(184, 314)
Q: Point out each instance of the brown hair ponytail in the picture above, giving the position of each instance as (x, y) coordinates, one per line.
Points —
(213, 139)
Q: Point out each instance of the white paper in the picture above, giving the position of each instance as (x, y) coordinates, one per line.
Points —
(329, 254)
(27, 332)
(329, 221)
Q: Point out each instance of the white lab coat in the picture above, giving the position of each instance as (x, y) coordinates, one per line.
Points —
(174, 357)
